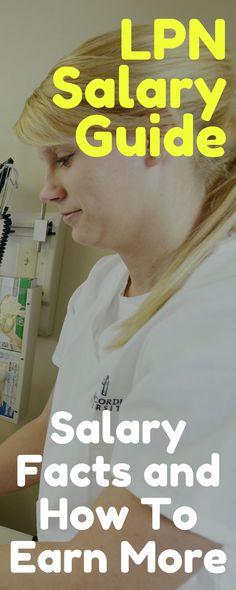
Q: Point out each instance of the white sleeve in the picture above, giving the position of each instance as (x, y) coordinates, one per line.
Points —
(81, 300)
(187, 371)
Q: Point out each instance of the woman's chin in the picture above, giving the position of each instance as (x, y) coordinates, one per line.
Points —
(85, 239)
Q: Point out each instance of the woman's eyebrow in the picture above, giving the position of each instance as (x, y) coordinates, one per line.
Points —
(52, 151)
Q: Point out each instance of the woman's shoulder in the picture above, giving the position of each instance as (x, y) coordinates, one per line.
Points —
(201, 316)
(219, 265)
(103, 278)
(106, 273)
(103, 266)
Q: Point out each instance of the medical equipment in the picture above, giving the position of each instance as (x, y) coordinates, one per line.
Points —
(31, 253)
(6, 183)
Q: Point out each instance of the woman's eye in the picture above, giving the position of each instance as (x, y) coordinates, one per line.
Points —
(64, 160)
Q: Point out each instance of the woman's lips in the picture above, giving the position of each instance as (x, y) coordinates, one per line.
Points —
(70, 214)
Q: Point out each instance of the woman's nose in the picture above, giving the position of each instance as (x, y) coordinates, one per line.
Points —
(54, 193)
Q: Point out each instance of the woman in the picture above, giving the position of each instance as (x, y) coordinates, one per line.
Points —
(151, 334)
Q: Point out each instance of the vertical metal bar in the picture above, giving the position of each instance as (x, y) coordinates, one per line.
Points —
(42, 216)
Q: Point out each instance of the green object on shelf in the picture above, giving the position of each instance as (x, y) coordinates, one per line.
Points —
(22, 297)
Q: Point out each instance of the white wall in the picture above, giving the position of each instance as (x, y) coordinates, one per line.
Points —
(34, 34)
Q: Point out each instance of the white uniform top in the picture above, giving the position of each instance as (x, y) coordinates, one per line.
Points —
(181, 365)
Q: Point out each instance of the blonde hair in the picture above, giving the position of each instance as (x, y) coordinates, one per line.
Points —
(43, 123)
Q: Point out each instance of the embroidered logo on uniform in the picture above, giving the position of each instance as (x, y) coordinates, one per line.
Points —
(101, 401)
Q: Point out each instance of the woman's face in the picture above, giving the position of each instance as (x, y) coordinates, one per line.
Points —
(118, 202)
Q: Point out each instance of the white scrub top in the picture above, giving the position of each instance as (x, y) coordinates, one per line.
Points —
(181, 365)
